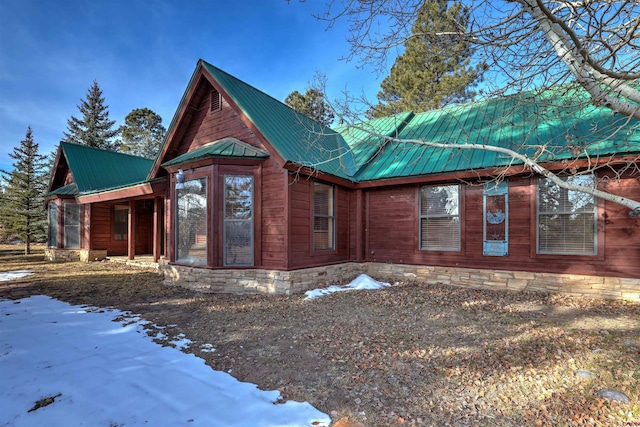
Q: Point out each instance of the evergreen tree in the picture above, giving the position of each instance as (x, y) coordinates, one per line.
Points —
(142, 133)
(435, 68)
(94, 128)
(311, 104)
(23, 200)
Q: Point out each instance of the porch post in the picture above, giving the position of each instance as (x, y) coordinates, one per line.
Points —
(131, 233)
(157, 227)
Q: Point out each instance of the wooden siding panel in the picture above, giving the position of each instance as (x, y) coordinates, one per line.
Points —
(393, 233)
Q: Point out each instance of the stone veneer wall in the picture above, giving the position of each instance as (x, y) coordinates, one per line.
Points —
(298, 281)
(83, 255)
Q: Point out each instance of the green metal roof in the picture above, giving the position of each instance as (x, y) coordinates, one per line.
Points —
(95, 170)
(521, 122)
(67, 190)
(296, 137)
(226, 147)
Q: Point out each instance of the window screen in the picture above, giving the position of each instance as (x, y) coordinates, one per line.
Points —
(53, 225)
(191, 222)
(120, 222)
(71, 226)
(323, 216)
(440, 218)
(566, 219)
(238, 220)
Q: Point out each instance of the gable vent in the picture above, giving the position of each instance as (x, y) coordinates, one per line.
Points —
(215, 102)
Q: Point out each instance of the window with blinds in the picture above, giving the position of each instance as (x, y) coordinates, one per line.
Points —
(53, 226)
(323, 217)
(238, 220)
(440, 218)
(120, 222)
(567, 220)
(71, 226)
(191, 222)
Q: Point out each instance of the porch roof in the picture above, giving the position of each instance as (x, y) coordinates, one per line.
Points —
(222, 148)
(94, 169)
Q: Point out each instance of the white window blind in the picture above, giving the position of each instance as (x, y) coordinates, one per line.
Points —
(567, 220)
(191, 222)
(323, 216)
(238, 220)
(71, 226)
(440, 218)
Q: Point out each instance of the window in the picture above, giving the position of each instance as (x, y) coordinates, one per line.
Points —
(71, 226)
(323, 217)
(191, 222)
(238, 220)
(440, 218)
(215, 102)
(53, 225)
(120, 222)
(567, 220)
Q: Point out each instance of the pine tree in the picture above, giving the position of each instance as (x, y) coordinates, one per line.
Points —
(94, 128)
(142, 133)
(435, 69)
(23, 200)
(311, 104)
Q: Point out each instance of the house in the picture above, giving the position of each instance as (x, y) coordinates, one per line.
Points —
(248, 195)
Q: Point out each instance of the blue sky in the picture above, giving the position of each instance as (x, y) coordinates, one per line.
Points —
(143, 52)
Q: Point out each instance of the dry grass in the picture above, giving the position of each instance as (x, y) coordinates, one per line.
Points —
(412, 354)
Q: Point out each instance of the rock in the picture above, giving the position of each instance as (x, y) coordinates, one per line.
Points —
(588, 375)
(346, 422)
(633, 344)
(610, 394)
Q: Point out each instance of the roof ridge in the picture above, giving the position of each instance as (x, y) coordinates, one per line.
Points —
(104, 150)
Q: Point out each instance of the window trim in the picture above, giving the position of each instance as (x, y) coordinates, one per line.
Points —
(459, 216)
(597, 232)
(52, 226)
(332, 216)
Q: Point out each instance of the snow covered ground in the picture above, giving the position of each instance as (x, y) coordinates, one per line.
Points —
(64, 365)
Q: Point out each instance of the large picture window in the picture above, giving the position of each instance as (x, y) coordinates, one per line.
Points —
(53, 226)
(567, 220)
(323, 216)
(238, 220)
(120, 222)
(71, 226)
(440, 217)
(191, 222)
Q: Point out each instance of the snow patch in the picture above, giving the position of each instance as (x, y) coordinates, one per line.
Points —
(362, 282)
(12, 275)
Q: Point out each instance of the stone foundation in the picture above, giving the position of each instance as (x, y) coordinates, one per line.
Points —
(297, 281)
(82, 255)
(256, 281)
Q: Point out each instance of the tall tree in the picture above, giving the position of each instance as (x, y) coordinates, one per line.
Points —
(142, 133)
(312, 104)
(435, 68)
(588, 49)
(23, 204)
(94, 129)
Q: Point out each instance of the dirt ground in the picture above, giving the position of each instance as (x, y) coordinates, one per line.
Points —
(411, 354)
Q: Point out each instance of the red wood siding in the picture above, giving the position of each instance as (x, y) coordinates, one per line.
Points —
(392, 224)
(301, 205)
